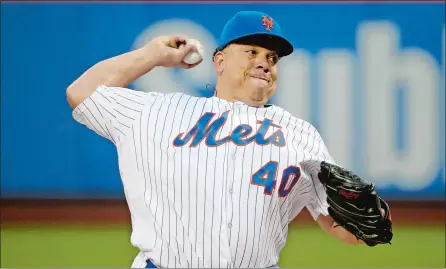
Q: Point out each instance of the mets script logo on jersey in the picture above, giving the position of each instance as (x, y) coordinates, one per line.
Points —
(242, 135)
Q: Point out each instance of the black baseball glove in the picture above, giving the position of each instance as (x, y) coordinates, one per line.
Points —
(354, 205)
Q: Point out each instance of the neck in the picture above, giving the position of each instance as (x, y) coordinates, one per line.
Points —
(225, 92)
(230, 98)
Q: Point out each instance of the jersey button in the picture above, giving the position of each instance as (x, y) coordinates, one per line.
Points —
(231, 191)
(230, 225)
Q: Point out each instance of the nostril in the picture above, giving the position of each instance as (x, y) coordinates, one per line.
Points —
(265, 69)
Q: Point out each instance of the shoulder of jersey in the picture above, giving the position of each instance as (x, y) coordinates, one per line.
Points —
(184, 97)
(169, 96)
(291, 117)
(296, 123)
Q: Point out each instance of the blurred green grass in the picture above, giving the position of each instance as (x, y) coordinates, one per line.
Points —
(109, 246)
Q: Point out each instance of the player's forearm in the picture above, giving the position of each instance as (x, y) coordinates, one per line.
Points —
(343, 235)
(118, 71)
(330, 226)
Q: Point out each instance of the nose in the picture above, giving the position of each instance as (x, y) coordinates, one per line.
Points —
(263, 65)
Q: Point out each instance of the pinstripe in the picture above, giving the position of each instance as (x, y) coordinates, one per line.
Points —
(119, 112)
(103, 96)
(267, 226)
(231, 188)
(263, 207)
(136, 102)
(94, 103)
(119, 130)
(128, 127)
(232, 180)
(136, 155)
(223, 195)
(140, 95)
(193, 110)
(176, 215)
(249, 188)
(154, 172)
(240, 192)
(213, 202)
(103, 108)
(173, 173)
(205, 188)
(189, 188)
(161, 187)
(104, 133)
(276, 207)
(146, 166)
(129, 108)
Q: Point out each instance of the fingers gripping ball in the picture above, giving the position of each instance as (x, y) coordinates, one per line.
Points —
(354, 205)
(194, 57)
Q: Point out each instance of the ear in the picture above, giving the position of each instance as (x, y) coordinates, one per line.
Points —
(219, 62)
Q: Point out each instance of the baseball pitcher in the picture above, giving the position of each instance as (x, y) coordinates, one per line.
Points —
(214, 182)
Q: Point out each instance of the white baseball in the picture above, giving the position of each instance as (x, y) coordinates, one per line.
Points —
(194, 56)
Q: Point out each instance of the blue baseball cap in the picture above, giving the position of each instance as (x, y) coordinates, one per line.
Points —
(253, 23)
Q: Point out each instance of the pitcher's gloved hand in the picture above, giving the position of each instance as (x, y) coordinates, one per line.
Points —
(354, 205)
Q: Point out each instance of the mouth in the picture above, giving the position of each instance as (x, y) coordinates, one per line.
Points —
(260, 77)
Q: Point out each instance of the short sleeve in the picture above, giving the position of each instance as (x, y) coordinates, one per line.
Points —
(111, 111)
(317, 202)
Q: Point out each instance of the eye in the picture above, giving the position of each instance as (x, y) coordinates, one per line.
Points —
(252, 52)
(273, 58)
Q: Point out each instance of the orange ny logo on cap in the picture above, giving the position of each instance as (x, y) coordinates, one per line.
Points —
(267, 22)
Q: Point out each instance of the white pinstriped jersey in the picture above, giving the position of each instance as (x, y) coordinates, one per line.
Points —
(209, 183)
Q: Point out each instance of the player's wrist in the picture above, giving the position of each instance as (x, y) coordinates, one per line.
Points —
(146, 58)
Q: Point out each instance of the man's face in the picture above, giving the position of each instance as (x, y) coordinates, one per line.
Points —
(252, 71)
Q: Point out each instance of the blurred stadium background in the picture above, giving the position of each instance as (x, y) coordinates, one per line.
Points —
(370, 76)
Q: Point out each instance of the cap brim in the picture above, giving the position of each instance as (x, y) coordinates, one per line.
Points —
(270, 41)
